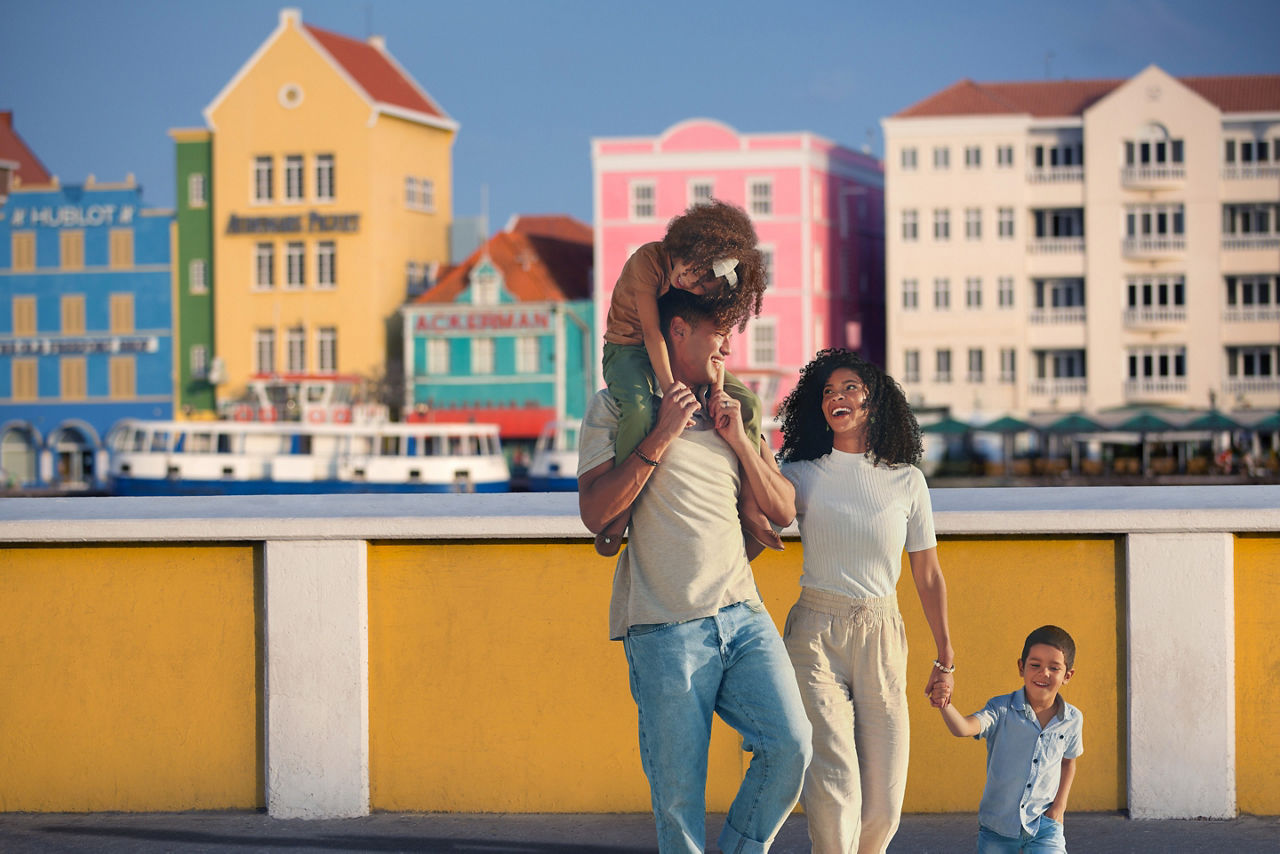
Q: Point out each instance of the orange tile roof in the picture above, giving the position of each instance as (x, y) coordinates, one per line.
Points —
(376, 73)
(30, 170)
(1247, 93)
(545, 258)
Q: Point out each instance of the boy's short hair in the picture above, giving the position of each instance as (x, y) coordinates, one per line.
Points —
(690, 308)
(1054, 637)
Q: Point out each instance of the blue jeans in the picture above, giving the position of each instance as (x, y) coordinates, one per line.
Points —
(1048, 839)
(733, 664)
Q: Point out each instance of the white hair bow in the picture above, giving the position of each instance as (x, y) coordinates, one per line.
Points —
(726, 267)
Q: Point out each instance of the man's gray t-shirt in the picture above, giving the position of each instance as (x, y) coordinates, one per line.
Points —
(685, 558)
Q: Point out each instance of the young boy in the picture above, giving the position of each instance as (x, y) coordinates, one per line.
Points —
(1033, 738)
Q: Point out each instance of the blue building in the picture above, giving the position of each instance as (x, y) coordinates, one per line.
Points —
(506, 336)
(86, 327)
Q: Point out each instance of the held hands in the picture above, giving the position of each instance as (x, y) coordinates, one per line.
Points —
(939, 688)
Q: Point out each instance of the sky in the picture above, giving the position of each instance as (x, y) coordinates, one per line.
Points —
(95, 85)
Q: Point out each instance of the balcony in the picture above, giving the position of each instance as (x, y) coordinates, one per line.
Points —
(1154, 246)
(1059, 387)
(1251, 241)
(1149, 387)
(1056, 246)
(1056, 175)
(1255, 314)
(1169, 315)
(1058, 316)
(1251, 385)
(1250, 172)
(1141, 177)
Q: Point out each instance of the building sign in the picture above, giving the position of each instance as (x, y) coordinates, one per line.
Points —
(312, 223)
(80, 346)
(484, 321)
(72, 216)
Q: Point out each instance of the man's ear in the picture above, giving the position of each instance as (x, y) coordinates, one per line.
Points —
(679, 328)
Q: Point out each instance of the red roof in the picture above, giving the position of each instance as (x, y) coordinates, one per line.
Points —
(545, 258)
(1236, 94)
(376, 73)
(14, 150)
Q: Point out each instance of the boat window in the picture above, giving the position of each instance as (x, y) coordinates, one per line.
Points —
(179, 443)
(390, 446)
(201, 443)
(160, 440)
(139, 442)
(224, 443)
(315, 394)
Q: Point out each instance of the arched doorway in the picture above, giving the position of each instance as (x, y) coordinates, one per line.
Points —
(19, 455)
(74, 448)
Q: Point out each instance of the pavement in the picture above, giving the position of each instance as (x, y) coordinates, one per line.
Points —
(453, 833)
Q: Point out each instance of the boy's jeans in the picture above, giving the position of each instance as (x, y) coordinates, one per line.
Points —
(733, 664)
(1048, 839)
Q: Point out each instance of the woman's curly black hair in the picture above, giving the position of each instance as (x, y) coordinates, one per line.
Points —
(893, 434)
(707, 232)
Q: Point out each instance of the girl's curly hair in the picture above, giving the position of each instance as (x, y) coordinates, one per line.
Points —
(707, 232)
(893, 434)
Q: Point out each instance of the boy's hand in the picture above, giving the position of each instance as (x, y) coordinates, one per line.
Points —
(676, 410)
(1056, 813)
(940, 696)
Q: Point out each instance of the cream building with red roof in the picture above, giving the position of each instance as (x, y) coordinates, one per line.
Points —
(18, 163)
(1067, 246)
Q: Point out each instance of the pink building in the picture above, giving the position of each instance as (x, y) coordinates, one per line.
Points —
(819, 211)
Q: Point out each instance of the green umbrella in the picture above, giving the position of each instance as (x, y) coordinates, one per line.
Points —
(1145, 422)
(1213, 420)
(1074, 423)
(1007, 424)
(1268, 424)
(948, 427)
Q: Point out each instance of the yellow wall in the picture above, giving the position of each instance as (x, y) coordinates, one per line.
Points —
(371, 162)
(528, 709)
(129, 679)
(1257, 674)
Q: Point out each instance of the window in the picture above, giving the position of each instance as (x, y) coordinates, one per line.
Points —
(1147, 363)
(199, 362)
(484, 285)
(1249, 219)
(1059, 156)
(942, 365)
(975, 365)
(1252, 362)
(410, 192)
(941, 157)
(198, 276)
(760, 194)
(481, 356)
(527, 354)
(121, 248)
(71, 247)
(911, 366)
(196, 190)
(942, 294)
(1058, 223)
(326, 264)
(1060, 364)
(123, 377)
(763, 346)
(973, 292)
(426, 195)
(293, 190)
(122, 314)
(23, 246)
(941, 224)
(438, 356)
(1004, 156)
(910, 226)
(766, 260)
(1152, 151)
(909, 159)
(1159, 220)
(295, 339)
(264, 263)
(25, 379)
(643, 200)
(324, 178)
(1004, 291)
(73, 373)
(263, 180)
(24, 316)
(972, 157)
(973, 223)
(700, 190)
(1155, 291)
(264, 351)
(910, 294)
(1059, 293)
(327, 349)
(73, 314)
(1242, 291)
(295, 265)
(1004, 223)
(1008, 365)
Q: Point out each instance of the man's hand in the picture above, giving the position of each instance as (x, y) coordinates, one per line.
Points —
(728, 420)
(676, 411)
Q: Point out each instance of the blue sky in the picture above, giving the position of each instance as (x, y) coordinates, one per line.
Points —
(96, 84)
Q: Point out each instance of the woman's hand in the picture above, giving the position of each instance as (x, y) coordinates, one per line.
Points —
(939, 688)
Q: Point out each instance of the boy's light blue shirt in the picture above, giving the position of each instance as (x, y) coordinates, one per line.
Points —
(1024, 762)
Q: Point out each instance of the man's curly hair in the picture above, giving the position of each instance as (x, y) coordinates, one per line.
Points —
(893, 434)
(707, 232)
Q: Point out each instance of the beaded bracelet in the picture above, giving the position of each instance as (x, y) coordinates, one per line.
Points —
(637, 452)
(941, 669)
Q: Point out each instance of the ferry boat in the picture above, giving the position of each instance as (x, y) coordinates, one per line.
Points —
(555, 458)
(313, 398)
(254, 458)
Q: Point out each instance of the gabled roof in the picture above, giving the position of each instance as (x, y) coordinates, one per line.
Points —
(373, 69)
(1057, 98)
(541, 259)
(13, 150)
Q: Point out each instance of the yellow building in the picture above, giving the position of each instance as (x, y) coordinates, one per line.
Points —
(332, 196)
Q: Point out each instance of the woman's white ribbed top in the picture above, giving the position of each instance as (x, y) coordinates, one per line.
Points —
(855, 519)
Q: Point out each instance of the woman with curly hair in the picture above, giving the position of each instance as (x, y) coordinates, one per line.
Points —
(850, 444)
(709, 251)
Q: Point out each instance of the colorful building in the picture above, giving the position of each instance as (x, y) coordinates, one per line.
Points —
(331, 198)
(196, 370)
(18, 163)
(818, 211)
(86, 316)
(506, 337)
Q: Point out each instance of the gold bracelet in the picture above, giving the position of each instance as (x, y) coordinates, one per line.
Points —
(941, 669)
(637, 452)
